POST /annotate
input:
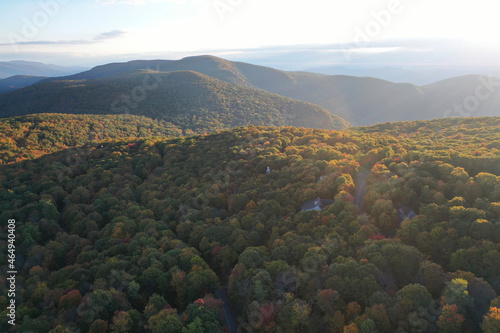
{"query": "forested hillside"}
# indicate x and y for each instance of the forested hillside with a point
(32, 136)
(194, 102)
(144, 235)
(359, 100)
(29, 137)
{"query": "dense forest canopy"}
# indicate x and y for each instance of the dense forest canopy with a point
(145, 234)
(32, 136)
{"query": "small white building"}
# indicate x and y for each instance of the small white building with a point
(316, 204)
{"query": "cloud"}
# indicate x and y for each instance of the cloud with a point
(137, 2)
(50, 42)
(110, 35)
(99, 38)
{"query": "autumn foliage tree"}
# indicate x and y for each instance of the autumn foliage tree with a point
(450, 320)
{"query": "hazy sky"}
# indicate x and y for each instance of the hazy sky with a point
(88, 32)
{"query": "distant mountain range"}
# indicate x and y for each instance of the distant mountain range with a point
(359, 100)
(192, 101)
(422, 76)
(12, 68)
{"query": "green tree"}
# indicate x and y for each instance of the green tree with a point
(368, 326)
(196, 326)
(456, 293)
(414, 297)
(165, 321)
(122, 322)
(99, 326)
(432, 277)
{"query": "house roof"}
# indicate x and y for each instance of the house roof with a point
(317, 203)
(404, 212)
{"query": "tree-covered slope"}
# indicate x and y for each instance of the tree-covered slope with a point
(136, 236)
(359, 100)
(29, 137)
(212, 66)
(192, 101)
(446, 138)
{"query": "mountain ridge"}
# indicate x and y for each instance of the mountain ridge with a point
(190, 100)
(360, 101)
(17, 82)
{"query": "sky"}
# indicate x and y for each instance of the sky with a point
(92, 32)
